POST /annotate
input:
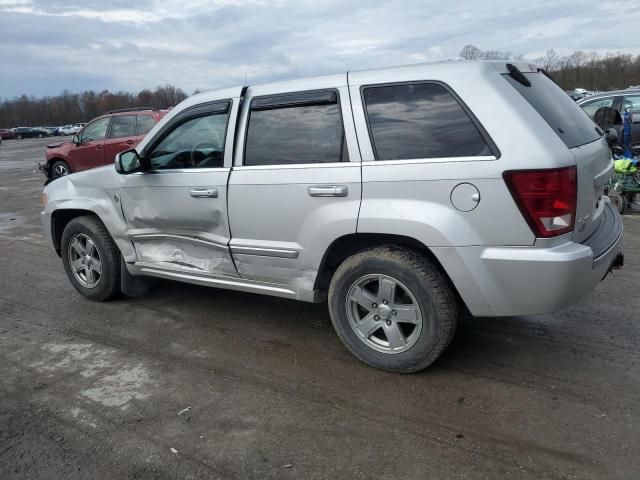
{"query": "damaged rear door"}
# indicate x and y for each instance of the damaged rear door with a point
(176, 210)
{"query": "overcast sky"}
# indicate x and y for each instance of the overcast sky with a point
(50, 45)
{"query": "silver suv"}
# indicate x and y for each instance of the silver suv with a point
(399, 195)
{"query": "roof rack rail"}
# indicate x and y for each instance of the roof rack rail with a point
(132, 109)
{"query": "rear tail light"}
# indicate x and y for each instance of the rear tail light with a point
(546, 198)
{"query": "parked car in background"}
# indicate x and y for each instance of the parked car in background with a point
(27, 132)
(45, 131)
(100, 140)
(6, 133)
(66, 130)
(399, 195)
(619, 100)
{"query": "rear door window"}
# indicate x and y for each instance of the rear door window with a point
(420, 120)
(145, 123)
(123, 126)
(295, 129)
(567, 119)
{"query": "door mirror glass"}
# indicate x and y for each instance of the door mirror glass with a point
(76, 139)
(128, 162)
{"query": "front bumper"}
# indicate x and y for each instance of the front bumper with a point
(505, 281)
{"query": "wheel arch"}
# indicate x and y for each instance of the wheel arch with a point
(61, 218)
(347, 245)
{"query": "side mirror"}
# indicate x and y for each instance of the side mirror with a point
(75, 139)
(128, 162)
(611, 135)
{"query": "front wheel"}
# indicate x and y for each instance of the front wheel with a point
(91, 259)
(60, 169)
(393, 308)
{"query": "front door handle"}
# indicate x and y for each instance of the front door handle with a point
(203, 193)
(328, 191)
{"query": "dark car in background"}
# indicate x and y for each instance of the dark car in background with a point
(100, 140)
(6, 133)
(28, 132)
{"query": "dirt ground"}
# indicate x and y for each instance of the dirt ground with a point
(190, 382)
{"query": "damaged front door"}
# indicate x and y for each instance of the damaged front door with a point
(176, 210)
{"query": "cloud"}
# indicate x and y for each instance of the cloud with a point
(49, 45)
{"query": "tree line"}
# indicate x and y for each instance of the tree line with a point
(29, 111)
(589, 70)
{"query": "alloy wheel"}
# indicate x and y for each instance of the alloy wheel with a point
(383, 313)
(84, 260)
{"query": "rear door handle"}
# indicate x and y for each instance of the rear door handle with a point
(203, 193)
(328, 191)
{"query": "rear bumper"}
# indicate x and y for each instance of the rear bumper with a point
(505, 281)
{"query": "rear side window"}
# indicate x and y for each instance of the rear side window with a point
(295, 130)
(420, 120)
(562, 114)
(123, 126)
(145, 123)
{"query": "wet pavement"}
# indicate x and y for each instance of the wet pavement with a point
(191, 382)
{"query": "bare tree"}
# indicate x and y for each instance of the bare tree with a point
(470, 52)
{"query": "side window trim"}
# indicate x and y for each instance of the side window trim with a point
(325, 96)
(481, 130)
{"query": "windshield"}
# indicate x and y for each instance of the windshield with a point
(567, 119)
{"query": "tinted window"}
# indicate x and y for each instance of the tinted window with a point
(196, 143)
(294, 135)
(145, 123)
(95, 130)
(561, 113)
(593, 106)
(123, 126)
(420, 120)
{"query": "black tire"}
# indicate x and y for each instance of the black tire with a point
(57, 168)
(108, 285)
(619, 200)
(426, 282)
(19, 137)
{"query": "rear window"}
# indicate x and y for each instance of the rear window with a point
(568, 120)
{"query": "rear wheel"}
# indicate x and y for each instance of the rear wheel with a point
(91, 259)
(60, 169)
(393, 308)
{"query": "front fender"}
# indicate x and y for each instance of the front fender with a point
(91, 192)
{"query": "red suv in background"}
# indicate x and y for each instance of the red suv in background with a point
(100, 140)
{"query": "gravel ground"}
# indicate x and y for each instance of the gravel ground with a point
(190, 382)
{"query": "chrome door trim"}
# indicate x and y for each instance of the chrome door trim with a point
(264, 252)
(367, 163)
(185, 238)
(297, 166)
(229, 283)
